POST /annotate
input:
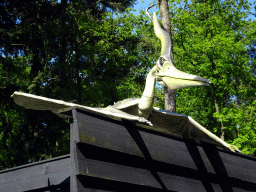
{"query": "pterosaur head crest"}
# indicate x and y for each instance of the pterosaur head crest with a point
(164, 37)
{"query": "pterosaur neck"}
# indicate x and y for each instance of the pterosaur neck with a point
(150, 83)
(147, 99)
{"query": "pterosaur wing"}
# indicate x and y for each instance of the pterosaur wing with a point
(30, 101)
(183, 125)
(162, 120)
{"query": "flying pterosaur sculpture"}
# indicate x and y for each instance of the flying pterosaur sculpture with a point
(141, 110)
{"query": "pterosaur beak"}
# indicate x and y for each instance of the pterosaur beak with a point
(176, 79)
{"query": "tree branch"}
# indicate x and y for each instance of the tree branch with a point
(152, 5)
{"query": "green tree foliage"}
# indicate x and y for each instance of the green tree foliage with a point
(111, 58)
(42, 31)
(211, 40)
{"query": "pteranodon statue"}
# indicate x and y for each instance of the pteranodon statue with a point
(141, 110)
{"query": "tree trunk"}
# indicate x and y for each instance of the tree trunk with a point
(62, 47)
(221, 123)
(169, 95)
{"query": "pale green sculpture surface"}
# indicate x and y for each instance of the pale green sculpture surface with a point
(141, 110)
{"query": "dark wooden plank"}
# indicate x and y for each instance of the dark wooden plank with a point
(239, 167)
(105, 132)
(88, 184)
(93, 190)
(35, 163)
(117, 172)
(75, 128)
(64, 187)
(176, 183)
(36, 175)
(73, 156)
(167, 150)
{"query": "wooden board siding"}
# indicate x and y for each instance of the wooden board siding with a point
(121, 151)
(113, 155)
(42, 174)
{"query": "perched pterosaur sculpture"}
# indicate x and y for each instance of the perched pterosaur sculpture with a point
(141, 110)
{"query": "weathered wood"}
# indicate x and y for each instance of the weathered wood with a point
(117, 155)
(159, 160)
(105, 132)
(115, 168)
(73, 157)
(92, 160)
(92, 184)
(42, 174)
